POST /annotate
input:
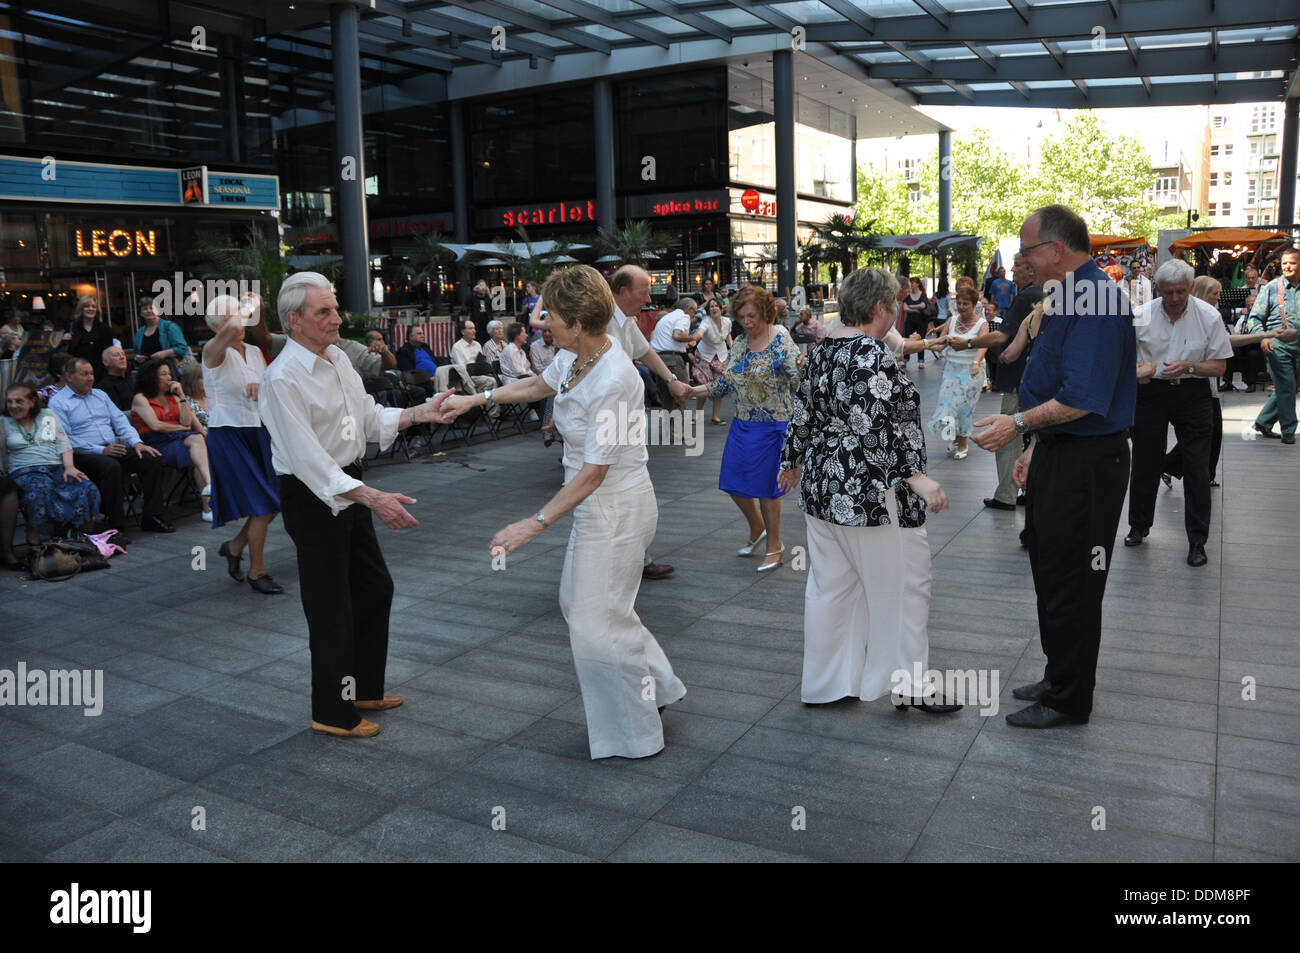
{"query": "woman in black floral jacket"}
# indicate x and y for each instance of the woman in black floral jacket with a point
(856, 448)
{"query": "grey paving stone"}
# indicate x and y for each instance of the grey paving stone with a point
(827, 836)
(96, 778)
(677, 762)
(498, 692)
(417, 834)
(126, 842)
(663, 843)
(37, 818)
(462, 716)
(233, 829)
(931, 849)
(316, 801)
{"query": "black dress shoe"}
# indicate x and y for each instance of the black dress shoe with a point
(930, 704)
(1021, 501)
(1250, 388)
(153, 524)
(1024, 542)
(1135, 537)
(1224, 387)
(995, 504)
(1288, 438)
(1039, 715)
(265, 584)
(232, 562)
(1266, 432)
(1196, 555)
(1031, 693)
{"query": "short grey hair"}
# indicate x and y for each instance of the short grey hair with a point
(1175, 272)
(492, 326)
(294, 292)
(687, 303)
(220, 308)
(862, 290)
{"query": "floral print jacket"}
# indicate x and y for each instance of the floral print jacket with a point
(763, 382)
(856, 431)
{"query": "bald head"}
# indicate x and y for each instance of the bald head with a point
(631, 287)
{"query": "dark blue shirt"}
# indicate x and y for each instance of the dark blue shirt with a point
(1085, 355)
(1002, 291)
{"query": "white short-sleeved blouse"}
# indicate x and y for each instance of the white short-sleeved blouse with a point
(227, 388)
(602, 418)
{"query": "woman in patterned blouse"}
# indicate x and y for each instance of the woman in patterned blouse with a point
(762, 372)
(856, 449)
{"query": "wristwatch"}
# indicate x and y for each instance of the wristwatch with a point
(1020, 425)
(487, 398)
(541, 518)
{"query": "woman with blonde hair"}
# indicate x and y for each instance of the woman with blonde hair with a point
(88, 336)
(623, 674)
(963, 376)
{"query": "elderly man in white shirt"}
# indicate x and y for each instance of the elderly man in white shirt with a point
(320, 418)
(1181, 345)
(631, 288)
(671, 339)
(467, 350)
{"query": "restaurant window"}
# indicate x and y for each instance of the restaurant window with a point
(676, 119)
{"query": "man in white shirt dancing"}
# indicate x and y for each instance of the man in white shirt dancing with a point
(320, 419)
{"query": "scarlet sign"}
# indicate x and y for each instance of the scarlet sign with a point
(550, 214)
(749, 200)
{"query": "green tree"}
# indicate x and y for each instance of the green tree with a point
(1100, 176)
(885, 200)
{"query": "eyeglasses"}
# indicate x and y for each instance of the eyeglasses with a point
(1028, 248)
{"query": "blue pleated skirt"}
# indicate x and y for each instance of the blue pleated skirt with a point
(243, 481)
(172, 447)
(751, 458)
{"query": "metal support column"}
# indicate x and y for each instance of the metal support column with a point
(787, 251)
(459, 194)
(1286, 173)
(354, 234)
(945, 180)
(603, 131)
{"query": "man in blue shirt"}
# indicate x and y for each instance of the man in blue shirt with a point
(1277, 308)
(106, 447)
(1001, 291)
(1077, 396)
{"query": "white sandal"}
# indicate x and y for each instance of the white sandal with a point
(748, 550)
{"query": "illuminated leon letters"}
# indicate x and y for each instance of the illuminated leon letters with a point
(117, 242)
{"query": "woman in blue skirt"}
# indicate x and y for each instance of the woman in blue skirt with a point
(762, 373)
(244, 483)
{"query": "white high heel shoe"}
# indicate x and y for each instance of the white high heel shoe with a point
(748, 550)
(768, 567)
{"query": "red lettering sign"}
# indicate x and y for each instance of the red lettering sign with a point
(749, 200)
(685, 207)
(559, 213)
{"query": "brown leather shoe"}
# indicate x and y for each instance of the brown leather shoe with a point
(379, 704)
(364, 729)
(656, 571)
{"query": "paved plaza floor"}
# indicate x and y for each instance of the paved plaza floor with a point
(206, 687)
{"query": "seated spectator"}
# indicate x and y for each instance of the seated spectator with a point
(54, 379)
(196, 394)
(105, 447)
(159, 338)
(415, 354)
(371, 358)
(116, 382)
(808, 330)
(514, 362)
(164, 421)
(542, 352)
(467, 350)
(496, 342)
(40, 463)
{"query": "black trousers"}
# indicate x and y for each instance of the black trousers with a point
(347, 594)
(1189, 407)
(109, 474)
(1076, 495)
(1248, 361)
(1174, 458)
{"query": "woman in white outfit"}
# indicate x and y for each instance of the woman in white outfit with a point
(624, 675)
(856, 450)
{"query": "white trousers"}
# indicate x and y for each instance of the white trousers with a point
(622, 672)
(866, 610)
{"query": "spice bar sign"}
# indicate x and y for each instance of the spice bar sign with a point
(675, 205)
(109, 242)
